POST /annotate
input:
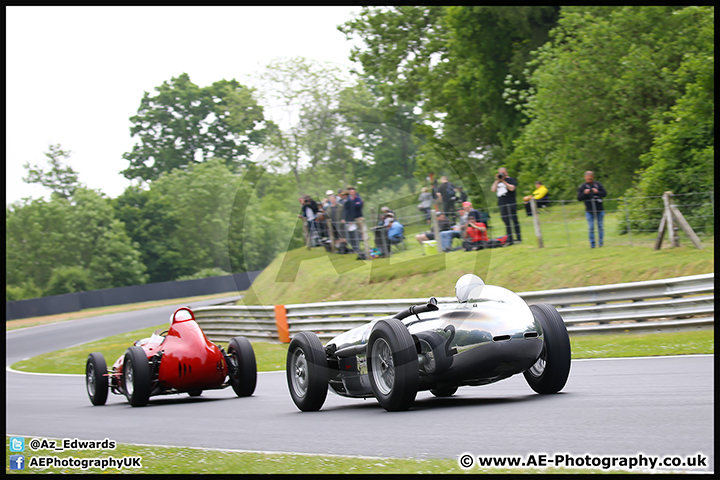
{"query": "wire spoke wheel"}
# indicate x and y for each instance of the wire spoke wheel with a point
(383, 367)
(393, 366)
(299, 373)
(307, 372)
(539, 367)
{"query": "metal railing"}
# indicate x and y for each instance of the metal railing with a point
(683, 302)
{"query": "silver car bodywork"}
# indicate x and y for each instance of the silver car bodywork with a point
(484, 340)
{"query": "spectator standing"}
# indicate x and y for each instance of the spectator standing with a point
(592, 192)
(461, 195)
(426, 201)
(339, 217)
(504, 186)
(539, 194)
(353, 212)
(446, 192)
(309, 211)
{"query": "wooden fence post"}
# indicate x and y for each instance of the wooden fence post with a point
(306, 232)
(331, 235)
(536, 221)
(674, 240)
(366, 241)
(672, 212)
(435, 229)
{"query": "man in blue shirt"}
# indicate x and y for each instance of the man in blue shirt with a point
(395, 230)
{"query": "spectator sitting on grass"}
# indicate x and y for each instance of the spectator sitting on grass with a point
(395, 230)
(443, 225)
(467, 213)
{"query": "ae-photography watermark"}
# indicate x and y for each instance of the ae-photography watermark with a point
(38, 444)
(604, 462)
(21, 461)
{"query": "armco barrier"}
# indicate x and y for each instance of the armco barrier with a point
(660, 304)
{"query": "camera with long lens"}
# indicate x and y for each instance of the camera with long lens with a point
(500, 176)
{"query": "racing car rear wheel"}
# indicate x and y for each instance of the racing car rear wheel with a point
(96, 380)
(244, 376)
(195, 393)
(550, 373)
(307, 372)
(393, 365)
(136, 377)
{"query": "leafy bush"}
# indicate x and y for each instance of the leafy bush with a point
(205, 273)
(68, 280)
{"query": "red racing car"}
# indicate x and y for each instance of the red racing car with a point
(180, 360)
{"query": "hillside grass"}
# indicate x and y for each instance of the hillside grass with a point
(313, 275)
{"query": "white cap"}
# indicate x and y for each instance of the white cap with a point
(329, 192)
(468, 286)
(180, 315)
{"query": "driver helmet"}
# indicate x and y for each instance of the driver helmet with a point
(180, 315)
(468, 286)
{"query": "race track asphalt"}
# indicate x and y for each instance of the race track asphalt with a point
(655, 406)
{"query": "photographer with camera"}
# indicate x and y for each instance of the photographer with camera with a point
(592, 193)
(446, 194)
(504, 186)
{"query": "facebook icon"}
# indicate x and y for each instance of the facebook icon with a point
(17, 462)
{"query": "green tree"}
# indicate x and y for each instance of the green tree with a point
(81, 232)
(68, 280)
(184, 124)
(597, 89)
(151, 222)
(681, 158)
(314, 146)
(452, 63)
(60, 178)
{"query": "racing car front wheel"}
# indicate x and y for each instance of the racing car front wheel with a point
(307, 372)
(393, 365)
(96, 380)
(244, 374)
(136, 377)
(550, 373)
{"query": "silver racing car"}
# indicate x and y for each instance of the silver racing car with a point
(488, 335)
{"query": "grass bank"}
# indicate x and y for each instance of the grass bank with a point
(302, 275)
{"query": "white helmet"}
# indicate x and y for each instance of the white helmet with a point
(181, 314)
(468, 286)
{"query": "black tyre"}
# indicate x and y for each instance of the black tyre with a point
(307, 372)
(195, 393)
(550, 373)
(243, 375)
(136, 377)
(444, 392)
(393, 365)
(96, 380)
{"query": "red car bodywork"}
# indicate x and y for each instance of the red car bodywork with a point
(189, 360)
